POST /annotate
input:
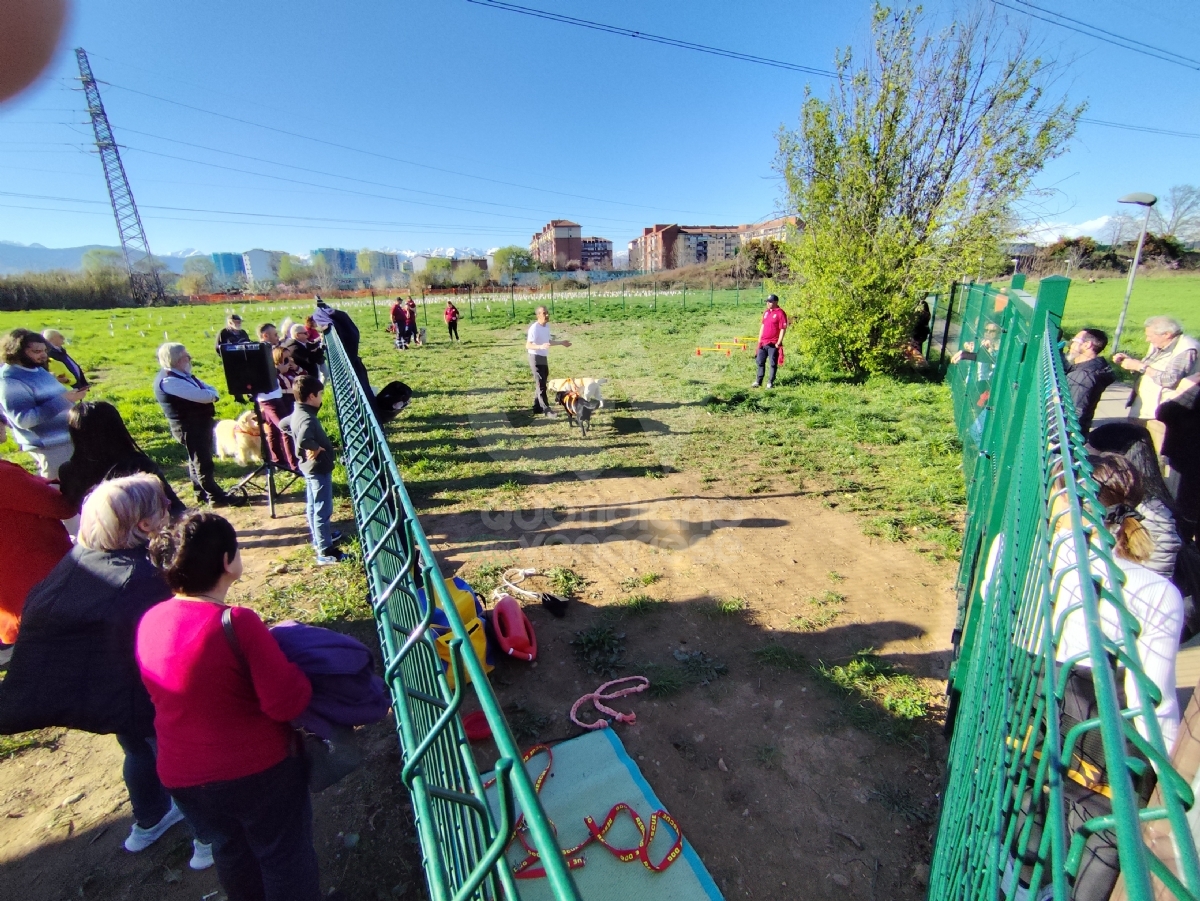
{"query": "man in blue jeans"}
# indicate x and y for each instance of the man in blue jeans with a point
(317, 459)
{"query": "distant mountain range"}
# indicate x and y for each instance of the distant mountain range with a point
(16, 258)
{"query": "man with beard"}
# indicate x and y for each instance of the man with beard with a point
(34, 402)
(187, 403)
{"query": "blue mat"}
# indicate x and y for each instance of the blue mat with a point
(590, 774)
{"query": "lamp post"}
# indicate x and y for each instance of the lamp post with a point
(1148, 201)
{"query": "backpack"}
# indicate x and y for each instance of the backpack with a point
(471, 611)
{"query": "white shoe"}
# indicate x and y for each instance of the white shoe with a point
(202, 857)
(140, 839)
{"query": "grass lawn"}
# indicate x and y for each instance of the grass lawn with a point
(1098, 304)
(883, 447)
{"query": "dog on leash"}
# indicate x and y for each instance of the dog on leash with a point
(239, 438)
(580, 398)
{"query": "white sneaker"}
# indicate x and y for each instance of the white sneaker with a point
(202, 857)
(140, 839)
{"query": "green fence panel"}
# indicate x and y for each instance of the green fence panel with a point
(1034, 525)
(462, 843)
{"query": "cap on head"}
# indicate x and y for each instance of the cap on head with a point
(771, 298)
(235, 318)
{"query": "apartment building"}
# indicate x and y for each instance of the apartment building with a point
(339, 261)
(595, 253)
(559, 245)
(262, 265)
(228, 268)
(671, 246)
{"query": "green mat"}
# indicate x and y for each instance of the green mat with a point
(589, 775)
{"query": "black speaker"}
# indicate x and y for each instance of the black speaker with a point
(249, 368)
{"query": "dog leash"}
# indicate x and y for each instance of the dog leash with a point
(531, 866)
(597, 696)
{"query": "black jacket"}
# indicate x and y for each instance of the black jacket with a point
(308, 357)
(1087, 382)
(60, 355)
(232, 336)
(81, 474)
(308, 434)
(73, 664)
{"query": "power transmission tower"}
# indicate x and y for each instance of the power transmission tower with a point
(143, 277)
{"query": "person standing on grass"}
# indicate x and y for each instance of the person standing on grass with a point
(188, 404)
(233, 333)
(306, 353)
(1088, 374)
(770, 340)
(316, 462)
(34, 402)
(62, 365)
(451, 314)
(538, 342)
(224, 695)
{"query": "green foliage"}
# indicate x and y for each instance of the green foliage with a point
(905, 178)
(512, 258)
(485, 577)
(470, 274)
(699, 668)
(884, 701)
(12, 745)
(292, 271)
(664, 680)
(103, 262)
(438, 270)
(640, 603)
(565, 581)
(600, 650)
(769, 757)
(724, 607)
(762, 258)
(632, 583)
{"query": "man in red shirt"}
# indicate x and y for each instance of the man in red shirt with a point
(770, 340)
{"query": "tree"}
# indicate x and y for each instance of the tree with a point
(364, 262)
(470, 274)
(511, 259)
(440, 270)
(906, 175)
(761, 258)
(100, 261)
(1119, 227)
(198, 276)
(293, 271)
(1178, 214)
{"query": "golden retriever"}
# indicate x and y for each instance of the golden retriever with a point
(239, 438)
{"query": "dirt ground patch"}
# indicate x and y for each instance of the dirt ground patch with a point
(787, 785)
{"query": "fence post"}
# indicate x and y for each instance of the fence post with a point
(512, 298)
(470, 309)
(622, 295)
(655, 307)
(589, 295)
(374, 311)
(737, 296)
(425, 310)
(685, 296)
(710, 294)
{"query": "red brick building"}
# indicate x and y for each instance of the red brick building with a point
(671, 246)
(559, 245)
(596, 253)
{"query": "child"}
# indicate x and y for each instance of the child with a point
(316, 463)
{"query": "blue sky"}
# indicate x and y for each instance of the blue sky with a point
(466, 126)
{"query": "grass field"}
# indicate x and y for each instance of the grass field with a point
(883, 447)
(1098, 304)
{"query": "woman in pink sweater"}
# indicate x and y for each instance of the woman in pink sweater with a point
(223, 694)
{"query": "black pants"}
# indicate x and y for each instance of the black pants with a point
(260, 827)
(540, 367)
(196, 436)
(765, 353)
(453, 327)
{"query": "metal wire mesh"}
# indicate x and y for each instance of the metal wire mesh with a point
(1036, 553)
(462, 843)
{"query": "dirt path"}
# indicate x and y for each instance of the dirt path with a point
(783, 787)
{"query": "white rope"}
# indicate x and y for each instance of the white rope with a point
(509, 580)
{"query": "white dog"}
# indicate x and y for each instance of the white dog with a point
(588, 389)
(239, 438)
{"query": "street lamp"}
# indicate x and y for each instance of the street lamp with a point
(1146, 200)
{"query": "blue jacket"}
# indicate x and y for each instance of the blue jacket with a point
(346, 690)
(33, 404)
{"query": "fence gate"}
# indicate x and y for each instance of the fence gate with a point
(1006, 828)
(462, 843)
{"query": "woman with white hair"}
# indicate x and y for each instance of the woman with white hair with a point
(73, 664)
(188, 403)
(1173, 357)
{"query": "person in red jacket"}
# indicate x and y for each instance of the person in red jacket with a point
(451, 314)
(223, 694)
(32, 539)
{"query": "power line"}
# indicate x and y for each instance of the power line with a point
(653, 38)
(373, 183)
(384, 156)
(1097, 33)
(1146, 129)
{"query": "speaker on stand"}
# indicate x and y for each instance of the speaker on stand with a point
(249, 372)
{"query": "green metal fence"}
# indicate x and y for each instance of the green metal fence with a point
(1034, 525)
(462, 842)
